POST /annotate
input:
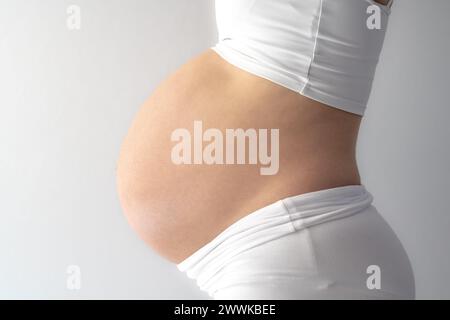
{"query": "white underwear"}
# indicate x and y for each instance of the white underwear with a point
(326, 50)
(327, 244)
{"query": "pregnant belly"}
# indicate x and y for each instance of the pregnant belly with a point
(186, 172)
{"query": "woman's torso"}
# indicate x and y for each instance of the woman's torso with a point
(177, 209)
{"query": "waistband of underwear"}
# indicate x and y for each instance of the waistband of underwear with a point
(271, 222)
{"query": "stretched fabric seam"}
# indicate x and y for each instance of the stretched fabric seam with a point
(314, 48)
(310, 244)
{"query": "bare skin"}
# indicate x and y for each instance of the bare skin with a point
(177, 209)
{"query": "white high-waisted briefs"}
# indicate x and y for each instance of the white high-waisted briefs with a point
(326, 50)
(327, 244)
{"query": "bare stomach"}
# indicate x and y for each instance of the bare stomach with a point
(177, 208)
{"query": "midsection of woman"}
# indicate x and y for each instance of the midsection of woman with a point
(178, 208)
(302, 67)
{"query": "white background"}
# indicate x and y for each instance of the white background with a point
(67, 99)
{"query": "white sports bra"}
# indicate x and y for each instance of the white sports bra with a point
(326, 50)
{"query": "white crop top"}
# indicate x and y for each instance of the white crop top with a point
(326, 50)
